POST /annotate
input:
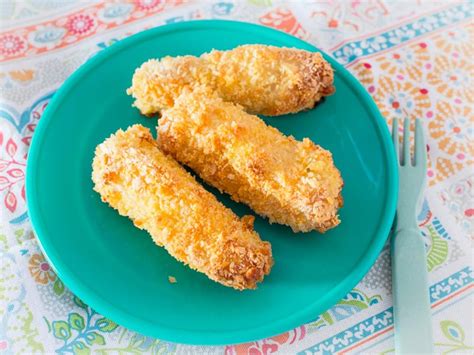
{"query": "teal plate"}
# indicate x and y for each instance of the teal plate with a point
(116, 268)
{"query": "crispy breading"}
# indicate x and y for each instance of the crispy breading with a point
(133, 176)
(157, 83)
(263, 79)
(270, 80)
(291, 182)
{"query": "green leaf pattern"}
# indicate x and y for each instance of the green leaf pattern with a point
(106, 325)
(79, 303)
(80, 348)
(61, 330)
(94, 338)
(456, 338)
(437, 250)
(260, 2)
(78, 334)
(353, 303)
(76, 321)
(452, 331)
(83, 333)
(58, 287)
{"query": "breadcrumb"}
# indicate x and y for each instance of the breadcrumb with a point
(291, 182)
(263, 79)
(133, 176)
(172, 279)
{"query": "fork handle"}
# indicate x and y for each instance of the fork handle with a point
(411, 304)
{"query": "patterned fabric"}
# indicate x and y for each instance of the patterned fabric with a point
(415, 59)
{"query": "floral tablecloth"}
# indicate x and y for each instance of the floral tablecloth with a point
(413, 57)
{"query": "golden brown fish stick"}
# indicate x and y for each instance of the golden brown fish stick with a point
(291, 182)
(263, 79)
(136, 178)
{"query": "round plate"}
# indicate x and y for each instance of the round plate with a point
(116, 268)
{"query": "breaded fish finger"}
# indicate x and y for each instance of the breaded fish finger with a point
(271, 80)
(263, 79)
(133, 176)
(291, 182)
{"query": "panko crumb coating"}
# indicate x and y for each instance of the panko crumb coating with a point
(291, 182)
(133, 176)
(263, 79)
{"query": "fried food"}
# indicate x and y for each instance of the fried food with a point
(291, 182)
(133, 176)
(263, 79)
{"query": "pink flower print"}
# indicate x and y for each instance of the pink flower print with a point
(12, 176)
(40, 269)
(11, 45)
(80, 24)
(147, 4)
(3, 345)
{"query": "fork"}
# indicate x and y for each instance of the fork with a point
(411, 304)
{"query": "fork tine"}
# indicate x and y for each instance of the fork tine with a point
(420, 148)
(406, 142)
(395, 137)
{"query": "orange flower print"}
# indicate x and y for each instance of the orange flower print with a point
(439, 169)
(452, 129)
(363, 71)
(22, 75)
(405, 63)
(400, 99)
(40, 269)
(456, 42)
(267, 346)
(284, 20)
(451, 78)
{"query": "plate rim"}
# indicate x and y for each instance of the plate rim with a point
(203, 337)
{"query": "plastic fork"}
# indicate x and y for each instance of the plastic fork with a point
(411, 303)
